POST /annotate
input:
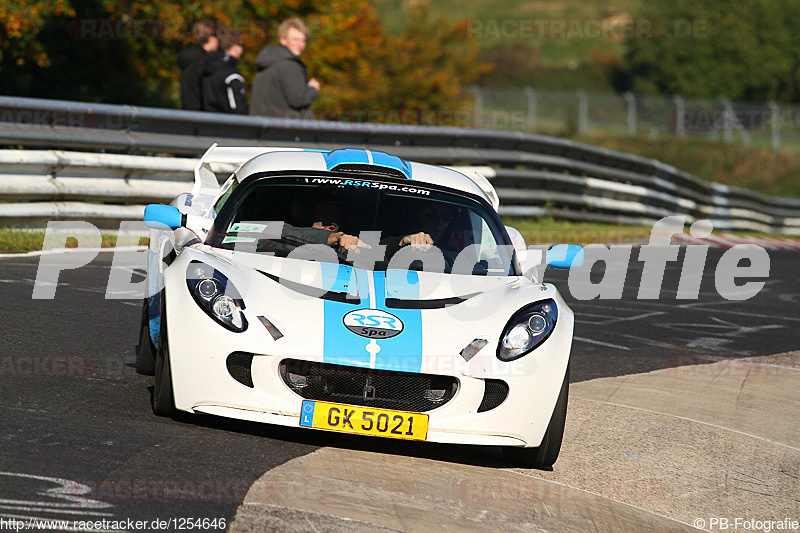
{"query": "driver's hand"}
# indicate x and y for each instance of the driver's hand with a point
(420, 240)
(347, 242)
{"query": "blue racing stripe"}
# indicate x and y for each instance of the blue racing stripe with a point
(341, 346)
(404, 351)
(354, 156)
(383, 159)
(153, 298)
(346, 156)
(402, 284)
(336, 277)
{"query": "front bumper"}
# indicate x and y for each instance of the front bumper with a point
(202, 382)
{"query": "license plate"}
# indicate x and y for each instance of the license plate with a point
(364, 420)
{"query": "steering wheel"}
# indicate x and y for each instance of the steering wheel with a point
(448, 255)
(341, 251)
(449, 258)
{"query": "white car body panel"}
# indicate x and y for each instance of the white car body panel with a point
(199, 346)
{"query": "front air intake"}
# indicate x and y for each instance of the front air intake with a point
(367, 387)
(239, 367)
(494, 394)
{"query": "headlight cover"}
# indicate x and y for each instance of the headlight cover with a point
(216, 296)
(527, 329)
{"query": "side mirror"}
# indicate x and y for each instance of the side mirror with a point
(158, 215)
(530, 261)
(565, 256)
(516, 239)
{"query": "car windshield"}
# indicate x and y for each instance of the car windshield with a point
(301, 217)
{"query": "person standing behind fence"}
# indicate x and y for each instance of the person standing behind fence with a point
(193, 61)
(281, 87)
(224, 88)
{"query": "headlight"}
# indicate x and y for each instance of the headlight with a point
(527, 329)
(216, 296)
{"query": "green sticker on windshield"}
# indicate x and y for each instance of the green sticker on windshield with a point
(239, 227)
(236, 238)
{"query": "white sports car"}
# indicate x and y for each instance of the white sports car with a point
(353, 291)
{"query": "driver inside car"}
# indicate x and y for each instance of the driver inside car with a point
(325, 229)
(326, 217)
(433, 221)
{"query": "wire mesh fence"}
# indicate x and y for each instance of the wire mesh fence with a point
(764, 124)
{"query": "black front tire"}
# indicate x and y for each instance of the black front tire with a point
(163, 397)
(546, 453)
(146, 352)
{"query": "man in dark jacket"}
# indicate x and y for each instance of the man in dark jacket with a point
(224, 89)
(193, 61)
(281, 87)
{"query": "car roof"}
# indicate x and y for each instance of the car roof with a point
(372, 165)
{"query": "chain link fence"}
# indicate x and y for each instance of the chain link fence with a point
(764, 124)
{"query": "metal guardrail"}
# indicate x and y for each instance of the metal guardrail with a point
(533, 174)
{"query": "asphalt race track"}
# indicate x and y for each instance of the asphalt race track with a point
(663, 425)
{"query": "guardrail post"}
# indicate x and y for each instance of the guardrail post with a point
(478, 93)
(680, 116)
(630, 104)
(532, 108)
(583, 111)
(776, 132)
(727, 134)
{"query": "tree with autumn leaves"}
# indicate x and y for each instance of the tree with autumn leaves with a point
(124, 52)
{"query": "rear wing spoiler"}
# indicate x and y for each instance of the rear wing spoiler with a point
(227, 159)
(480, 175)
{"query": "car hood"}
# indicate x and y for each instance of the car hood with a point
(394, 320)
(403, 288)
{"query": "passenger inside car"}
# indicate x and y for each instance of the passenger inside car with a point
(433, 224)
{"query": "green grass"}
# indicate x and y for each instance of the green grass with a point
(550, 231)
(15, 240)
(757, 168)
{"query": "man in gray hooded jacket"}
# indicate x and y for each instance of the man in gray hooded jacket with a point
(281, 88)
